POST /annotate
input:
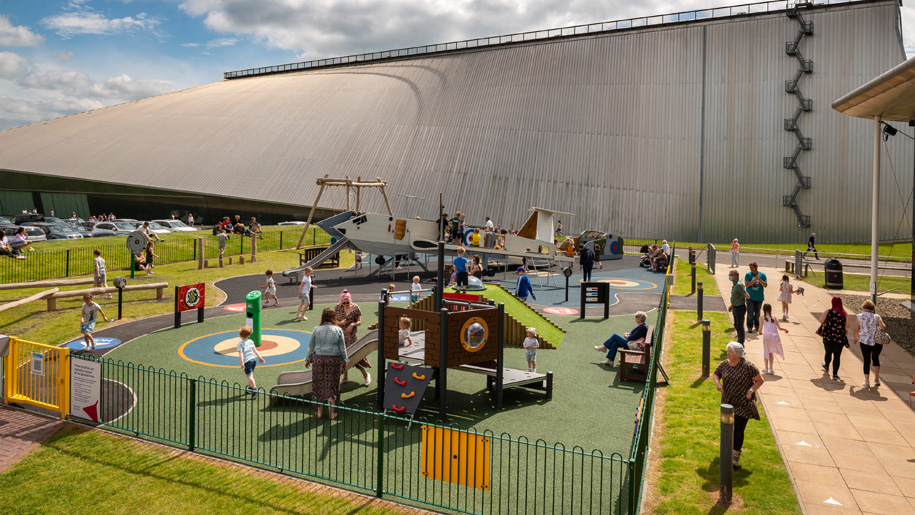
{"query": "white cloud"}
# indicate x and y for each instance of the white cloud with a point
(13, 66)
(84, 21)
(214, 43)
(63, 56)
(11, 36)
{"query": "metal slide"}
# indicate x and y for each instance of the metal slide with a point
(299, 382)
(341, 244)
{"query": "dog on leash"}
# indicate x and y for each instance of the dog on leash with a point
(799, 290)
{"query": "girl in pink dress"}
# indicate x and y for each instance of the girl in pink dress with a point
(735, 253)
(772, 344)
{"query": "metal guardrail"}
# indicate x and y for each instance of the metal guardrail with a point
(365, 451)
(53, 264)
(521, 37)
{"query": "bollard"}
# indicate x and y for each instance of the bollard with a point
(699, 291)
(706, 347)
(241, 260)
(692, 256)
(692, 275)
(230, 260)
(725, 487)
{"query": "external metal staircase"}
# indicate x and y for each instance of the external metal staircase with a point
(805, 66)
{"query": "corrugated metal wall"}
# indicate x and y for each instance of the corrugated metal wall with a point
(608, 127)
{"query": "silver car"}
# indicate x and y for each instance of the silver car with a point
(173, 225)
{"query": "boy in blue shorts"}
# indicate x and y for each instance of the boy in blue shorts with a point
(88, 316)
(460, 267)
(248, 356)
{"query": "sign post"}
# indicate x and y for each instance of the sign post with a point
(595, 293)
(191, 296)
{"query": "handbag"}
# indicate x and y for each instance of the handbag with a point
(882, 337)
(820, 330)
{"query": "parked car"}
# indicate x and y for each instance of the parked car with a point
(174, 225)
(119, 228)
(6, 220)
(155, 228)
(56, 231)
(94, 231)
(35, 234)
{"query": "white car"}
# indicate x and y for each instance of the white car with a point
(175, 225)
(292, 223)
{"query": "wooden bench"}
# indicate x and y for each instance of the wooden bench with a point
(634, 363)
(308, 254)
(159, 287)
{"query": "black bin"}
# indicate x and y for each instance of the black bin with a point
(834, 274)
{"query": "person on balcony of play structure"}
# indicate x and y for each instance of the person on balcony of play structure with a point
(349, 318)
(632, 340)
(523, 289)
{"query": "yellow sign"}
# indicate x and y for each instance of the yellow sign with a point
(456, 456)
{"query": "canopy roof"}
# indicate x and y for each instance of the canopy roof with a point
(891, 96)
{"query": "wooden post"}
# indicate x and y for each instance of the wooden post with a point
(311, 215)
(254, 248)
(37, 296)
(201, 262)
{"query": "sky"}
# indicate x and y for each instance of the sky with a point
(64, 57)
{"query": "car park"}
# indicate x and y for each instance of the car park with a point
(56, 231)
(174, 225)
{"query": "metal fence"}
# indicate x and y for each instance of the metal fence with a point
(639, 455)
(53, 264)
(424, 464)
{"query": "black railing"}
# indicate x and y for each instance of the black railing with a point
(575, 30)
(365, 451)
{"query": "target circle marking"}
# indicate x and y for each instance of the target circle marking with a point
(278, 347)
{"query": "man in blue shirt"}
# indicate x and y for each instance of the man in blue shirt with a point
(755, 282)
(636, 336)
(523, 289)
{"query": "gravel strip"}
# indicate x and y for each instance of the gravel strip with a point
(898, 319)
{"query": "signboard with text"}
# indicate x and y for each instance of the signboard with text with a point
(85, 388)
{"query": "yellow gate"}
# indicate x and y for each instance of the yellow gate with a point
(38, 374)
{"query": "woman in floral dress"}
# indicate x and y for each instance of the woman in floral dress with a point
(349, 318)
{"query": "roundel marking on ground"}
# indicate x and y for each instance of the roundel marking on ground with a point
(278, 347)
(560, 311)
(235, 308)
(100, 343)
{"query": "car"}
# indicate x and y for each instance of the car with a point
(155, 228)
(174, 225)
(119, 228)
(34, 233)
(6, 220)
(93, 231)
(56, 231)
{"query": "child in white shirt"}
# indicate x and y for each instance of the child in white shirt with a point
(305, 294)
(403, 336)
(270, 289)
(414, 290)
(531, 344)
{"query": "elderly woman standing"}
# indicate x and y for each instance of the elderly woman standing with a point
(834, 325)
(738, 380)
(868, 322)
(349, 317)
(327, 350)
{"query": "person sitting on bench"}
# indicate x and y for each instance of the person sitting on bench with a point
(631, 340)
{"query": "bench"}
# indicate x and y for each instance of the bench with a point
(159, 287)
(308, 254)
(634, 363)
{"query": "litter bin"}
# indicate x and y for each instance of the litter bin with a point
(834, 274)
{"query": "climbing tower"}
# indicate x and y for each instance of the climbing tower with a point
(805, 66)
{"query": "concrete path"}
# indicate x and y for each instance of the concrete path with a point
(848, 449)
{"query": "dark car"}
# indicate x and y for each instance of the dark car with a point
(56, 231)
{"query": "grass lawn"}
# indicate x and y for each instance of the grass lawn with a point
(79, 471)
(893, 250)
(683, 282)
(684, 476)
(33, 323)
(861, 282)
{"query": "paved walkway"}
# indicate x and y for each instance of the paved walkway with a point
(848, 449)
(20, 432)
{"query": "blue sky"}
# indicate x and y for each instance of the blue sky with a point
(63, 57)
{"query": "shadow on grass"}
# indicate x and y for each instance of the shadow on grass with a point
(711, 477)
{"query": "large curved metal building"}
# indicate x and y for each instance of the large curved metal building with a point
(706, 125)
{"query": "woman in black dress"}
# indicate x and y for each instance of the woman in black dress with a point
(476, 269)
(834, 325)
(738, 380)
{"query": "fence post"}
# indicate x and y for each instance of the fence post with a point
(692, 276)
(281, 240)
(194, 244)
(379, 475)
(241, 244)
(706, 347)
(314, 236)
(699, 291)
(192, 416)
(725, 487)
(67, 273)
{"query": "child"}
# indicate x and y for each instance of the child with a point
(304, 294)
(223, 238)
(87, 317)
(403, 337)
(735, 253)
(414, 291)
(772, 344)
(785, 296)
(270, 289)
(100, 277)
(391, 289)
(358, 264)
(530, 349)
(149, 257)
(460, 267)
(451, 274)
(475, 239)
(247, 353)
(523, 289)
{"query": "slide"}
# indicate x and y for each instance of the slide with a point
(298, 382)
(320, 258)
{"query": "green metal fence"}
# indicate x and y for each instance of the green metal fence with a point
(368, 452)
(77, 260)
(639, 454)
